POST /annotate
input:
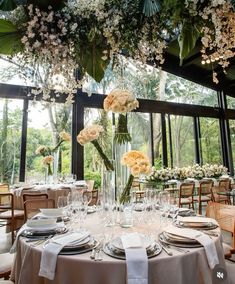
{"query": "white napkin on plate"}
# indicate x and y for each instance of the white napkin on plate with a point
(195, 219)
(205, 240)
(136, 259)
(51, 251)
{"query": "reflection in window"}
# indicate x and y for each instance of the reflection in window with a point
(44, 126)
(10, 139)
(183, 143)
(210, 140)
(232, 133)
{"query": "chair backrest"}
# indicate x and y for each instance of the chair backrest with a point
(32, 207)
(225, 216)
(30, 196)
(94, 196)
(4, 188)
(6, 202)
(205, 187)
(90, 184)
(187, 189)
(225, 183)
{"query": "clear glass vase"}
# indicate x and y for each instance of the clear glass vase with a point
(48, 175)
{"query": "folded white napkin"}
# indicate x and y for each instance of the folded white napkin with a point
(205, 240)
(195, 219)
(136, 259)
(51, 251)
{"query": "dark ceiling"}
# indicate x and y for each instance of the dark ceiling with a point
(193, 70)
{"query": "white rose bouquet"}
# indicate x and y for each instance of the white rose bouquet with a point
(138, 163)
(91, 134)
(121, 101)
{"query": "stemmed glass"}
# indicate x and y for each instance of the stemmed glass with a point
(62, 203)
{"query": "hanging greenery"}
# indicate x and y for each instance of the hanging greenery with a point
(62, 35)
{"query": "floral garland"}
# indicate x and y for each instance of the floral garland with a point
(60, 36)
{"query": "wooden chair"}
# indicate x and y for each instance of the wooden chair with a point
(8, 215)
(219, 198)
(94, 194)
(204, 194)
(6, 263)
(186, 194)
(4, 188)
(31, 196)
(225, 216)
(90, 184)
(32, 207)
(225, 183)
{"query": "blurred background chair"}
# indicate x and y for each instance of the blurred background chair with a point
(225, 216)
(33, 206)
(28, 196)
(186, 192)
(219, 198)
(204, 194)
(225, 183)
(6, 263)
(8, 215)
(92, 196)
(90, 184)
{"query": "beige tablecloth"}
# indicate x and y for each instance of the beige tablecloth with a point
(181, 268)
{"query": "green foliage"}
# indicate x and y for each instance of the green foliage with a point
(187, 39)
(10, 42)
(96, 176)
(90, 56)
(43, 4)
(7, 5)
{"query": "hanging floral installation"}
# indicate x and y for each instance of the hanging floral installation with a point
(61, 36)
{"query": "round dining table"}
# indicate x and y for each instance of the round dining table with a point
(182, 267)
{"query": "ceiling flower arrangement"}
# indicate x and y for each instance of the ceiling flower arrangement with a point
(63, 35)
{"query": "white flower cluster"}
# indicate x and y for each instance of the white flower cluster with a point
(218, 39)
(120, 101)
(89, 134)
(195, 171)
(47, 44)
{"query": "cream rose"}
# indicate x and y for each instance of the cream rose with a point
(89, 134)
(65, 136)
(41, 150)
(47, 160)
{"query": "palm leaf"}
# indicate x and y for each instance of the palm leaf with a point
(7, 5)
(187, 39)
(150, 7)
(90, 58)
(43, 4)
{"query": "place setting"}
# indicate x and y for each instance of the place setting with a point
(116, 249)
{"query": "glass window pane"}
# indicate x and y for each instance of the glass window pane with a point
(44, 126)
(232, 133)
(210, 140)
(183, 142)
(10, 139)
(157, 140)
(230, 102)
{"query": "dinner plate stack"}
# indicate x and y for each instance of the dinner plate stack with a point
(115, 249)
(83, 244)
(176, 240)
(198, 223)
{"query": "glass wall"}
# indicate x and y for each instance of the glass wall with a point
(10, 139)
(232, 135)
(157, 140)
(210, 140)
(183, 142)
(44, 125)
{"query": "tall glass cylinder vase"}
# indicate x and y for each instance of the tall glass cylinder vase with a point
(108, 195)
(56, 164)
(122, 172)
(48, 174)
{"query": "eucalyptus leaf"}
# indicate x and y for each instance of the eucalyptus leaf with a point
(187, 39)
(7, 5)
(150, 7)
(43, 4)
(10, 43)
(90, 58)
(7, 26)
